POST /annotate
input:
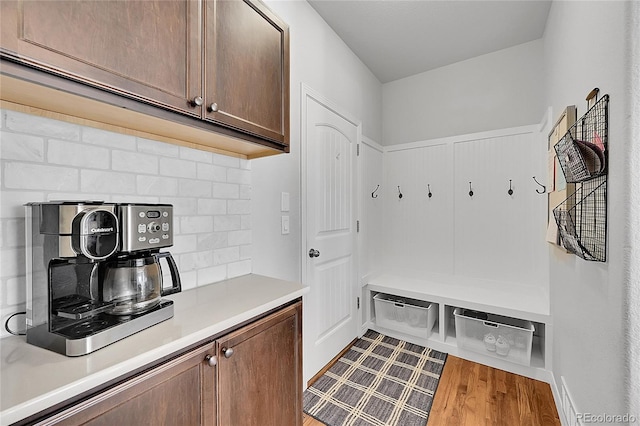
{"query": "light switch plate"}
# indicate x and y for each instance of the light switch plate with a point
(285, 225)
(284, 202)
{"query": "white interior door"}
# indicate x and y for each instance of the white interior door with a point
(330, 312)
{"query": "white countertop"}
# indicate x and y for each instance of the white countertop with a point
(33, 379)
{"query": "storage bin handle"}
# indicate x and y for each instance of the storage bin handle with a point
(490, 324)
(399, 304)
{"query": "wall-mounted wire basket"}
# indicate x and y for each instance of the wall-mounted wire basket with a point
(582, 220)
(582, 152)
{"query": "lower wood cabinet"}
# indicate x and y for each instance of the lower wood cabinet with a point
(251, 376)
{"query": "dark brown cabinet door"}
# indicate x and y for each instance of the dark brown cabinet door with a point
(179, 392)
(259, 372)
(149, 50)
(247, 68)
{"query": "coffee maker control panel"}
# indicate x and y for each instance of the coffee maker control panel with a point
(146, 226)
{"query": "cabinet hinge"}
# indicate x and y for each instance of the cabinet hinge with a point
(357, 149)
(358, 302)
(357, 226)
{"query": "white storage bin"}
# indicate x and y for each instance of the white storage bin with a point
(411, 316)
(494, 335)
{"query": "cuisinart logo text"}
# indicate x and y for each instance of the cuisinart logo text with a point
(96, 230)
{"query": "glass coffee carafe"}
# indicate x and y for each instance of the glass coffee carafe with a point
(133, 284)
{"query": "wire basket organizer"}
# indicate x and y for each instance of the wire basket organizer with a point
(582, 151)
(582, 220)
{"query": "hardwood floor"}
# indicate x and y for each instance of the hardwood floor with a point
(471, 394)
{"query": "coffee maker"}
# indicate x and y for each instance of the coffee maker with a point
(94, 274)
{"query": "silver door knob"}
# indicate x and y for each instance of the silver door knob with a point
(314, 253)
(211, 360)
(197, 101)
(213, 107)
(227, 352)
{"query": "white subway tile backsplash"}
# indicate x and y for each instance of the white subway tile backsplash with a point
(108, 139)
(78, 155)
(227, 223)
(226, 255)
(237, 269)
(157, 185)
(40, 177)
(43, 159)
(237, 238)
(13, 233)
(34, 125)
(177, 168)
(212, 240)
(245, 192)
(226, 190)
(196, 224)
(223, 160)
(128, 161)
(211, 172)
(239, 176)
(239, 206)
(159, 148)
(95, 181)
(17, 146)
(212, 206)
(196, 155)
(13, 202)
(212, 275)
(194, 188)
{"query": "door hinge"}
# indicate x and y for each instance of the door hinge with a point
(358, 302)
(357, 150)
(357, 226)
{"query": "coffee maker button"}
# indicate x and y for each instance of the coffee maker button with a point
(165, 227)
(154, 240)
(165, 236)
(165, 214)
(142, 228)
(142, 214)
(142, 239)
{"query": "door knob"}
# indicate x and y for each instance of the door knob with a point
(227, 352)
(197, 101)
(314, 253)
(213, 107)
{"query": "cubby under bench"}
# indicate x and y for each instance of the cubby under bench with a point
(515, 313)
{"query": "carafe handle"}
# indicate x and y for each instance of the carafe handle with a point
(176, 285)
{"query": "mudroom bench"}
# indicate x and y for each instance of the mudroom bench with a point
(503, 325)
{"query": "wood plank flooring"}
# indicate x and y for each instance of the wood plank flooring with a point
(471, 394)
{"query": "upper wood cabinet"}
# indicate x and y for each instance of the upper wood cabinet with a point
(149, 50)
(224, 63)
(247, 68)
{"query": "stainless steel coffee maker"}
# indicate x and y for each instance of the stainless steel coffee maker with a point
(94, 272)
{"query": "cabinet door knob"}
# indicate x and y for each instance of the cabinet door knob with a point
(211, 360)
(227, 352)
(314, 253)
(197, 101)
(213, 107)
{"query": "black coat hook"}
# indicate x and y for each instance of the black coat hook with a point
(470, 190)
(399, 192)
(429, 189)
(373, 194)
(510, 191)
(544, 188)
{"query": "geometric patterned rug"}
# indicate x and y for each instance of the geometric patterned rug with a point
(379, 381)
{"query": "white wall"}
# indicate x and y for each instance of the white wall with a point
(585, 46)
(493, 91)
(321, 60)
(43, 159)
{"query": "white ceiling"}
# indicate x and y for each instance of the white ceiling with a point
(399, 38)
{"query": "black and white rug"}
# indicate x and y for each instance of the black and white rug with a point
(380, 381)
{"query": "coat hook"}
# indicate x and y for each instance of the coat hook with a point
(470, 190)
(510, 191)
(373, 194)
(429, 189)
(544, 188)
(399, 192)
